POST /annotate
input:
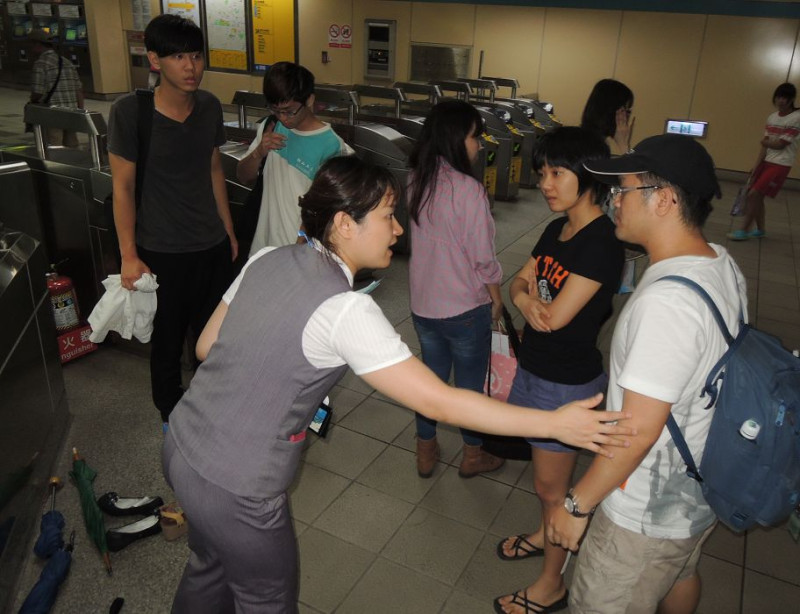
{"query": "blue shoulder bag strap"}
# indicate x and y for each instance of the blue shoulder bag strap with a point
(674, 429)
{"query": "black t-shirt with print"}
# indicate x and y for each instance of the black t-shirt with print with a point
(570, 355)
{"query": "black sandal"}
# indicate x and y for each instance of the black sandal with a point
(522, 549)
(531, 607)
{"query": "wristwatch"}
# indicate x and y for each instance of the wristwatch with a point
(571, 505)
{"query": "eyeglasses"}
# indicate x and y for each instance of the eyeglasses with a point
(619, 190)
(285, 112)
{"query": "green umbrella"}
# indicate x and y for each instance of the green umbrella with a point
(92, 516)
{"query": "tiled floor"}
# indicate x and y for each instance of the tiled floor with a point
(372, 535)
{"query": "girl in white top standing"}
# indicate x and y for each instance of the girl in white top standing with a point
(775, 160)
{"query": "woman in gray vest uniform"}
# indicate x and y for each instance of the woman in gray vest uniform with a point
(281, 338)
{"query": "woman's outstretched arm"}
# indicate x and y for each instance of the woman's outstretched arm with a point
(414, 385)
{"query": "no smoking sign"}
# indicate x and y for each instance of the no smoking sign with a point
(340, 36)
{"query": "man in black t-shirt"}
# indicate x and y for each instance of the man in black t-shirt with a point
(181, 230)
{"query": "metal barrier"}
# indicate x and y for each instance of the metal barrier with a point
(74, 120)
(337, 98)
(463, 91)
(483, 88)
(385, 93)
(512, 84)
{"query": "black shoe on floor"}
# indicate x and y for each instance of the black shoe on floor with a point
(114, 505)
(121, 537)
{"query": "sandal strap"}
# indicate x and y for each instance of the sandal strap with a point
(517, 546)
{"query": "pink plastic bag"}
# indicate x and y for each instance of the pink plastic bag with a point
(502, 367)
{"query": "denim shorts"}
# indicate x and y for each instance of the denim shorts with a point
(528, 390)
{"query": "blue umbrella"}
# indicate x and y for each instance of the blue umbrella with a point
(50, 538)
(44, 592)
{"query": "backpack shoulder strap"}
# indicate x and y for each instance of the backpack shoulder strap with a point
(267, 120)
(145, 105)
(700, 291)
(674, 430)
(691, 468)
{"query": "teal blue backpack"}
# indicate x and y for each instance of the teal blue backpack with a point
(750, 470)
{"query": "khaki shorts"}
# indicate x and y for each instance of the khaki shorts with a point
(622, 571)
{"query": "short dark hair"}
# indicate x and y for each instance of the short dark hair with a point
(446, 127)
(694, 210)
(570, 147)
(168, 34)
(348, 184)
(785, 90)
(288, 82)
(600, 112)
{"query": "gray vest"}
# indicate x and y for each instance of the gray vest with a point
(256, 389)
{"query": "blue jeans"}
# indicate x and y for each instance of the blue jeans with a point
(461, 343)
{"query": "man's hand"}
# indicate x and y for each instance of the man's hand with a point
(270, 140)
(132, 270)
(234, 245)
(624, 129)
(565, 530)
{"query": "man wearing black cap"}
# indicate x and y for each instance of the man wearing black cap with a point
(641, 551)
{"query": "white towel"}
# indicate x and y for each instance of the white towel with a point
(130, 313)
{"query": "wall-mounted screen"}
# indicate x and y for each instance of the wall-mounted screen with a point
(70, 34)
(686, 127)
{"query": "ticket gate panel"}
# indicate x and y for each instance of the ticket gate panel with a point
(524, 127)
(509, 148)
(386, 147)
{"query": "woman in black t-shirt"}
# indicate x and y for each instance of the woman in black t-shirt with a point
(564, 292)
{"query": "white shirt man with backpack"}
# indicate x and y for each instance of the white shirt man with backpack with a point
(641, 551)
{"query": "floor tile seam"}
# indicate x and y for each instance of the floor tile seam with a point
(310, 607)
(789, 583)
(339, 537)
(486, 531)
(311, 522)
(352, 430)
(722, 559)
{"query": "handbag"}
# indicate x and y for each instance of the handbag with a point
(502, 364)
(45, 102)
(502, 370)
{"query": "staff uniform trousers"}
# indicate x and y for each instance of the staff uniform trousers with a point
(190, 286)
(243, 555)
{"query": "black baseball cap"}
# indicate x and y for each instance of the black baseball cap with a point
(681, 160)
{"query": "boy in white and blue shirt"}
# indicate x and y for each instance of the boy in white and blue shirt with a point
(295, 146)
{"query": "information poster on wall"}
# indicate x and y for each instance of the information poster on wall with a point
(141, 14)
(227, 34)
(272, 32)
(188, 10)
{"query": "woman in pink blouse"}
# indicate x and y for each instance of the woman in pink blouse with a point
(454, 273)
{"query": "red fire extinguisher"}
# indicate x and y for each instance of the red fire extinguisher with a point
(63, 300)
